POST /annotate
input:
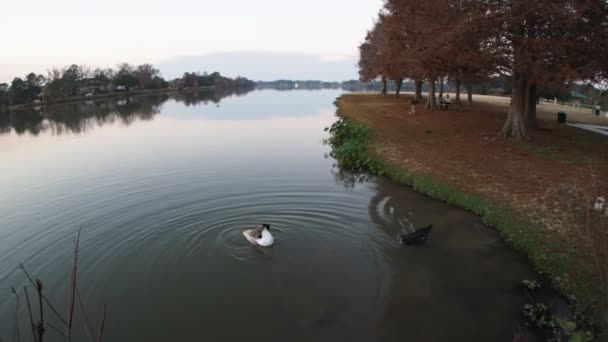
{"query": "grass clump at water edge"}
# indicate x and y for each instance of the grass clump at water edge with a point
(349, 142)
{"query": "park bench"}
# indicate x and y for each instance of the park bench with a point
(443, 104)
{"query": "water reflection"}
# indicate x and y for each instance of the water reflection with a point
(388, 210)
(451, 277)
(5, 125)
(21, 122)
(347, 178)
(162, 205)
(79, 117)
(194, 98)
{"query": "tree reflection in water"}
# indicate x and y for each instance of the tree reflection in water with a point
(387, 209)
(79, 117)
(190, 97)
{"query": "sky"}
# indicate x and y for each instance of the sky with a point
(40, 34)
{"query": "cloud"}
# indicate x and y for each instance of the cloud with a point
(262, 65)
(337, 58)
(256, 65)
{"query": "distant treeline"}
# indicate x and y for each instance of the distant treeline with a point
(295, 84)
(80, 116)
(194, 80)
(498, 86)
(77, 80)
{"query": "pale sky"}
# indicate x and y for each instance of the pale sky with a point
(39, 34)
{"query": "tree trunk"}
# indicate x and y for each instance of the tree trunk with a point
(398, 84)
(457, 100)
(383, 85)
(470, 94)
(441, 86)
(431, 103)
(418, 96)
(530, 112)
(515, 126)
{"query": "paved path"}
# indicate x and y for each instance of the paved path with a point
(593, 128)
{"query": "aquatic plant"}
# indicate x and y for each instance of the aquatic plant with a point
(530, 284)
(349, 143)
(538, 316)
(576, 335)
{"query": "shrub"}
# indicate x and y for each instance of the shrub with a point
(349, 141)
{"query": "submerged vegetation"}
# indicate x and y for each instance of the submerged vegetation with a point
(550, 324)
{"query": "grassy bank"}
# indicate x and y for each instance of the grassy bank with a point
(538, 200)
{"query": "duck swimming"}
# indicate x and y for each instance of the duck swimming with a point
(259, 236)
(418, 236)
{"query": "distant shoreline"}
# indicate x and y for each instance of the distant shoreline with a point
(100, 96)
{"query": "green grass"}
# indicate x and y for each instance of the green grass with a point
(546, 151)
(582, 146)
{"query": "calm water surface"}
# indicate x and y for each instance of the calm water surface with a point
(162, 187)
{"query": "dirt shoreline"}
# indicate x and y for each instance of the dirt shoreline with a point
(536, 193)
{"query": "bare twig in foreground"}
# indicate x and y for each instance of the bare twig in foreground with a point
(72, 294)
(29, 311)
(16, 331)
(35, 285)
(85, 318)
(103, 323)
(57, 330)
(40, 326)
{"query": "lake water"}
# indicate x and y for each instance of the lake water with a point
(162, 187)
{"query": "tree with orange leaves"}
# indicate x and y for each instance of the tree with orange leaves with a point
(540, 43)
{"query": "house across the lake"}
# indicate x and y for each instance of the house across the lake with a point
(92, 86)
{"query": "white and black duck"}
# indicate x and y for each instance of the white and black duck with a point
(259, 235)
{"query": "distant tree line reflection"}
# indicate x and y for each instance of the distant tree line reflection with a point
(195, 97)
(79, 117)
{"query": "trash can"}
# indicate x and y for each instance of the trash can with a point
(561, 117)
(596, 111)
